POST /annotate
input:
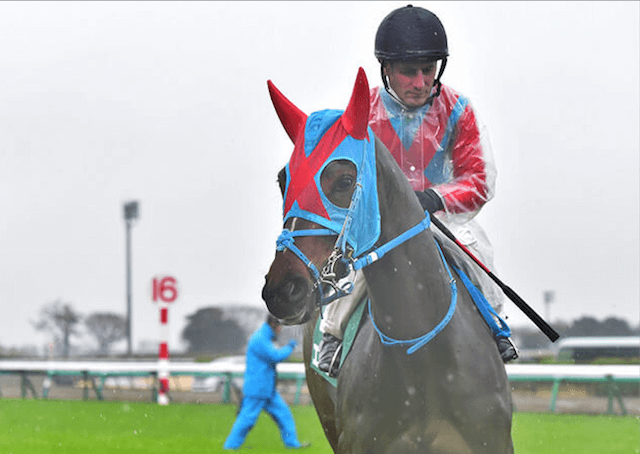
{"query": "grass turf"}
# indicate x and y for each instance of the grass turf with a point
(70, 427)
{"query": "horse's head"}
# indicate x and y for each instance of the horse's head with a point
(330, 202)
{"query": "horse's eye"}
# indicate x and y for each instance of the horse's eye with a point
(344, 183)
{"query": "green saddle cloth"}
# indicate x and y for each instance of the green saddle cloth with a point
(349, 335)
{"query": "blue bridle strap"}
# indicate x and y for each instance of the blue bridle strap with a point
(421, 341)
(286, 240)
(379, 252)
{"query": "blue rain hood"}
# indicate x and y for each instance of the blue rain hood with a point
(305, 197)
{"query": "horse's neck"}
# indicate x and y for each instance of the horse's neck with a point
(409, 287)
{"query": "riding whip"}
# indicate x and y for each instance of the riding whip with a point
(513, 296)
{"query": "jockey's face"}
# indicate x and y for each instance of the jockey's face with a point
(411, 81)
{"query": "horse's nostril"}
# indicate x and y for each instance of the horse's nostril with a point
(295, 289)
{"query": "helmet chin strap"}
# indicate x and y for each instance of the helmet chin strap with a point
(437, 84)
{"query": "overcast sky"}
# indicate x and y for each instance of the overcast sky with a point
(166, 103)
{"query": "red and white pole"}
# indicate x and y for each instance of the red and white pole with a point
(163, 355)
(165, 292)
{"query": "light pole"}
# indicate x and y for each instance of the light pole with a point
(130, 214)
(549, 296)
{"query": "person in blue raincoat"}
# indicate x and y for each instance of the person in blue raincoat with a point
(259, 389)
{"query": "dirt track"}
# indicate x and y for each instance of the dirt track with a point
(577, 399)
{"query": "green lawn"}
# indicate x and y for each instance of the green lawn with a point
(541, 433)
(90, 427)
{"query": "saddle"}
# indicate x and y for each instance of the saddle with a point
(350, 332)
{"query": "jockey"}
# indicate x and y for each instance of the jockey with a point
(435, 136)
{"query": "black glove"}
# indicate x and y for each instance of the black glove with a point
(430, 200)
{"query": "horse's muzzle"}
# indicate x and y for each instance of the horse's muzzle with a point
(290, 300)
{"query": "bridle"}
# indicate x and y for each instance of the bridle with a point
(336, 278)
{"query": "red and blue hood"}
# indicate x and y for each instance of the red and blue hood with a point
(319, 139)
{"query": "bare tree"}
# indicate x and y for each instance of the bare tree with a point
(107, 328)
(61, 320)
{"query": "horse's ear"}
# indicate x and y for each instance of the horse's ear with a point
(292, 118)
(282, 180)
(356, 117)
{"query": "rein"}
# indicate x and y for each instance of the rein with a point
(421, 341)
(286, 240)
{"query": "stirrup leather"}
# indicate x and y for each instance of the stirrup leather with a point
(335, 362)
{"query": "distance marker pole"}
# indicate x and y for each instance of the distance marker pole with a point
(163, 355)
(164, 292)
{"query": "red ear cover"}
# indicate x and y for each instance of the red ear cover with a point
(356, 117)
(292, 118)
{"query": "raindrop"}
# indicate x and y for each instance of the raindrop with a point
(407, 403)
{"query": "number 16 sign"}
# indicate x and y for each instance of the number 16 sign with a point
(164, 289)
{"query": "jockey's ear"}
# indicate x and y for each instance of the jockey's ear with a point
(282, 180)
(356, 116)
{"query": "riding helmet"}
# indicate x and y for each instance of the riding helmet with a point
(410, 33)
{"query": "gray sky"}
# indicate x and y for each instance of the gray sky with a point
(166, 103)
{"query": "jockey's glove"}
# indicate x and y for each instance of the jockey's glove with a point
(430, 200)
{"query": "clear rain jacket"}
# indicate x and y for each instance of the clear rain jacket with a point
(441, 146)
(444, 146)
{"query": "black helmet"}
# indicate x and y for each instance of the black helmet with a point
(410, 33)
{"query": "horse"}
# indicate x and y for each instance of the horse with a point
(347, 201)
